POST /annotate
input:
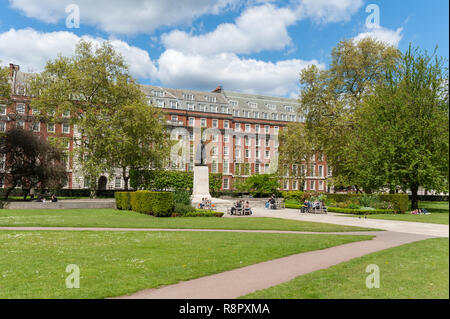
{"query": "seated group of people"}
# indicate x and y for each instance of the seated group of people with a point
(272, 202)
(41, 198)
(307, 205)
(241, 205)
(420, 211)
(205, 203)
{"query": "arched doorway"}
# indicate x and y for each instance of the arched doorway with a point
(102, 181)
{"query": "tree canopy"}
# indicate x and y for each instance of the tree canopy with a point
(329, 99)
(30, 162)
(403, 128)
(94, 89)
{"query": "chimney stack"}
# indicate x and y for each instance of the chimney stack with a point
(218, 89)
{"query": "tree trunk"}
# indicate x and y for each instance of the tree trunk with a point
(8, 191)
(125, 178)
(414, 198)
(25, 193)
(93, 185)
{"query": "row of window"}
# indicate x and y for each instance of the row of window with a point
(226, 125)
(21, 109)
(286, 185)
(36, 126)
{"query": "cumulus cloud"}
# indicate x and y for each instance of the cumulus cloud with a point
(32, 49)
(388, 36)
(124, 17)
(256, 29)
(328, 11)
(177, 69)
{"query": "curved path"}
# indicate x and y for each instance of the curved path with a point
(242, 281)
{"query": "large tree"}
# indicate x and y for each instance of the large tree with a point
(91, 87)
(403, 128)
(30, 162)
(136, 138)
(329, 99)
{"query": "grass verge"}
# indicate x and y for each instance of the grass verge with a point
(116, 218)
(33, 264)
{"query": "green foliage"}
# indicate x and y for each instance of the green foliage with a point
(294, 195)
(94, 86)
(204, 213)
(330, 99)
(182, 197)
(398, 202)
(181, 209)
(360, 211)
(160, 180)
(5, 87)
(260, 185)
(215, 183)
(403, 128)
(158, 204)
(133, 203)
(122, 200)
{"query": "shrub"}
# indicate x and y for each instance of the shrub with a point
(400, 202)
(159, 204)
(122, 200)
(182, 197)
(293, 195)
(359, 211)
(182, 209)
(203, 213)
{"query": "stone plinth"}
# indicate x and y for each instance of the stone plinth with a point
(201, 184)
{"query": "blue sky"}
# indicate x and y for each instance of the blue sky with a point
(254, 46)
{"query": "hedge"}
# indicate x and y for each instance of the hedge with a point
(203, 214)
(123, 200)
(359, 211)
(399, 201)
(158, 204)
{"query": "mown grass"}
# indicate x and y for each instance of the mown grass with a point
(116, 218)
(414, 271)
(33, 264)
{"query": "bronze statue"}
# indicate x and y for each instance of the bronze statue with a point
(201, 156)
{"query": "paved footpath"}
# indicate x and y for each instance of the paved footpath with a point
(435, 230)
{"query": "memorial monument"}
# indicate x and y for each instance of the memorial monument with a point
(201, 175)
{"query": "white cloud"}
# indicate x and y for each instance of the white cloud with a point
(124, 17)
(32, 49)
(256, 29)
(177, 69)
(388, 36)
(328, 11)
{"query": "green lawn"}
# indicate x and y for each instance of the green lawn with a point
(414, 271)
(116, 218)
(439, 214)
(33, 264)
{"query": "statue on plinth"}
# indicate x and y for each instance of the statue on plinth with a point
(200, 156)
